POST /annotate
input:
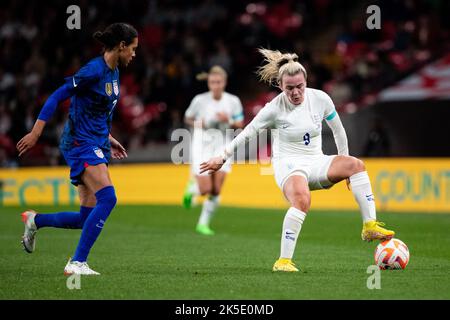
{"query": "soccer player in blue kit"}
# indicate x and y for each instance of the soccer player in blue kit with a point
(86, 144)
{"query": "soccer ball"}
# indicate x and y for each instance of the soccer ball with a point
(392, 254)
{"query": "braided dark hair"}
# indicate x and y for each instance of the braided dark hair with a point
(114, 34)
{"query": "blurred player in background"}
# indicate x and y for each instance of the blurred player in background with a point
(219, 110)
(298, 161)
(86, 143)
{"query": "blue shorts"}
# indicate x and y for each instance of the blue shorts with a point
(81, 157)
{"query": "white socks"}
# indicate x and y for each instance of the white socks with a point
(292, 225)
(362, 191)
(209, 207)
(294, 218)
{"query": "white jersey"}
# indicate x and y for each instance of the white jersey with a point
(299, 127)
(211, 140)
(205, 107)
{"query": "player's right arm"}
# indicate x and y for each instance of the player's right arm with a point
(85, 76)
(192, 114)
(29, 140)
(264, 119)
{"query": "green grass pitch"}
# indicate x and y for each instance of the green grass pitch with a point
(152, 252)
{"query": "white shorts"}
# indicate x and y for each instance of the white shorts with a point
(313, 168)
(204, 153)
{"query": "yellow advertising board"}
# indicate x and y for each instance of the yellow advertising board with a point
(421, 185)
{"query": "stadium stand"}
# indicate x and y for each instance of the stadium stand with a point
(179, 39)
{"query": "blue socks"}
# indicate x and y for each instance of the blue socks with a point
(66, 220)
(106, 200)
(91, 220)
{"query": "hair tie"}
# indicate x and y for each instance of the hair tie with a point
(286, 60)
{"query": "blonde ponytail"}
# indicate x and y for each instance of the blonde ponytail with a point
(278, 64)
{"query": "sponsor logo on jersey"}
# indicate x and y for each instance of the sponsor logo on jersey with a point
(116, 87)
(108, 88)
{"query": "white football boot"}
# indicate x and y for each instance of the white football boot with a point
(29, 235)
(81, 268)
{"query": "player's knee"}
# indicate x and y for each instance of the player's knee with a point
(356, 165)
(215, 191)
(112, 200)
(301, 200)
(106, 197)
(89, 201)
(205, 190)
(87, 198)
(359, 165)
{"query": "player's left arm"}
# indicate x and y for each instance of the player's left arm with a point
(339, 134)
(117, 150)
(233, 123)
(334, 122)
(237, 118)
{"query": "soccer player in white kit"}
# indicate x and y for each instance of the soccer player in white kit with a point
(298, 161)
(210, 114)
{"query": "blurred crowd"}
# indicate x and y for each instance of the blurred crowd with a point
(179, 39)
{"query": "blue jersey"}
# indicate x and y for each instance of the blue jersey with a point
(95, 92)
